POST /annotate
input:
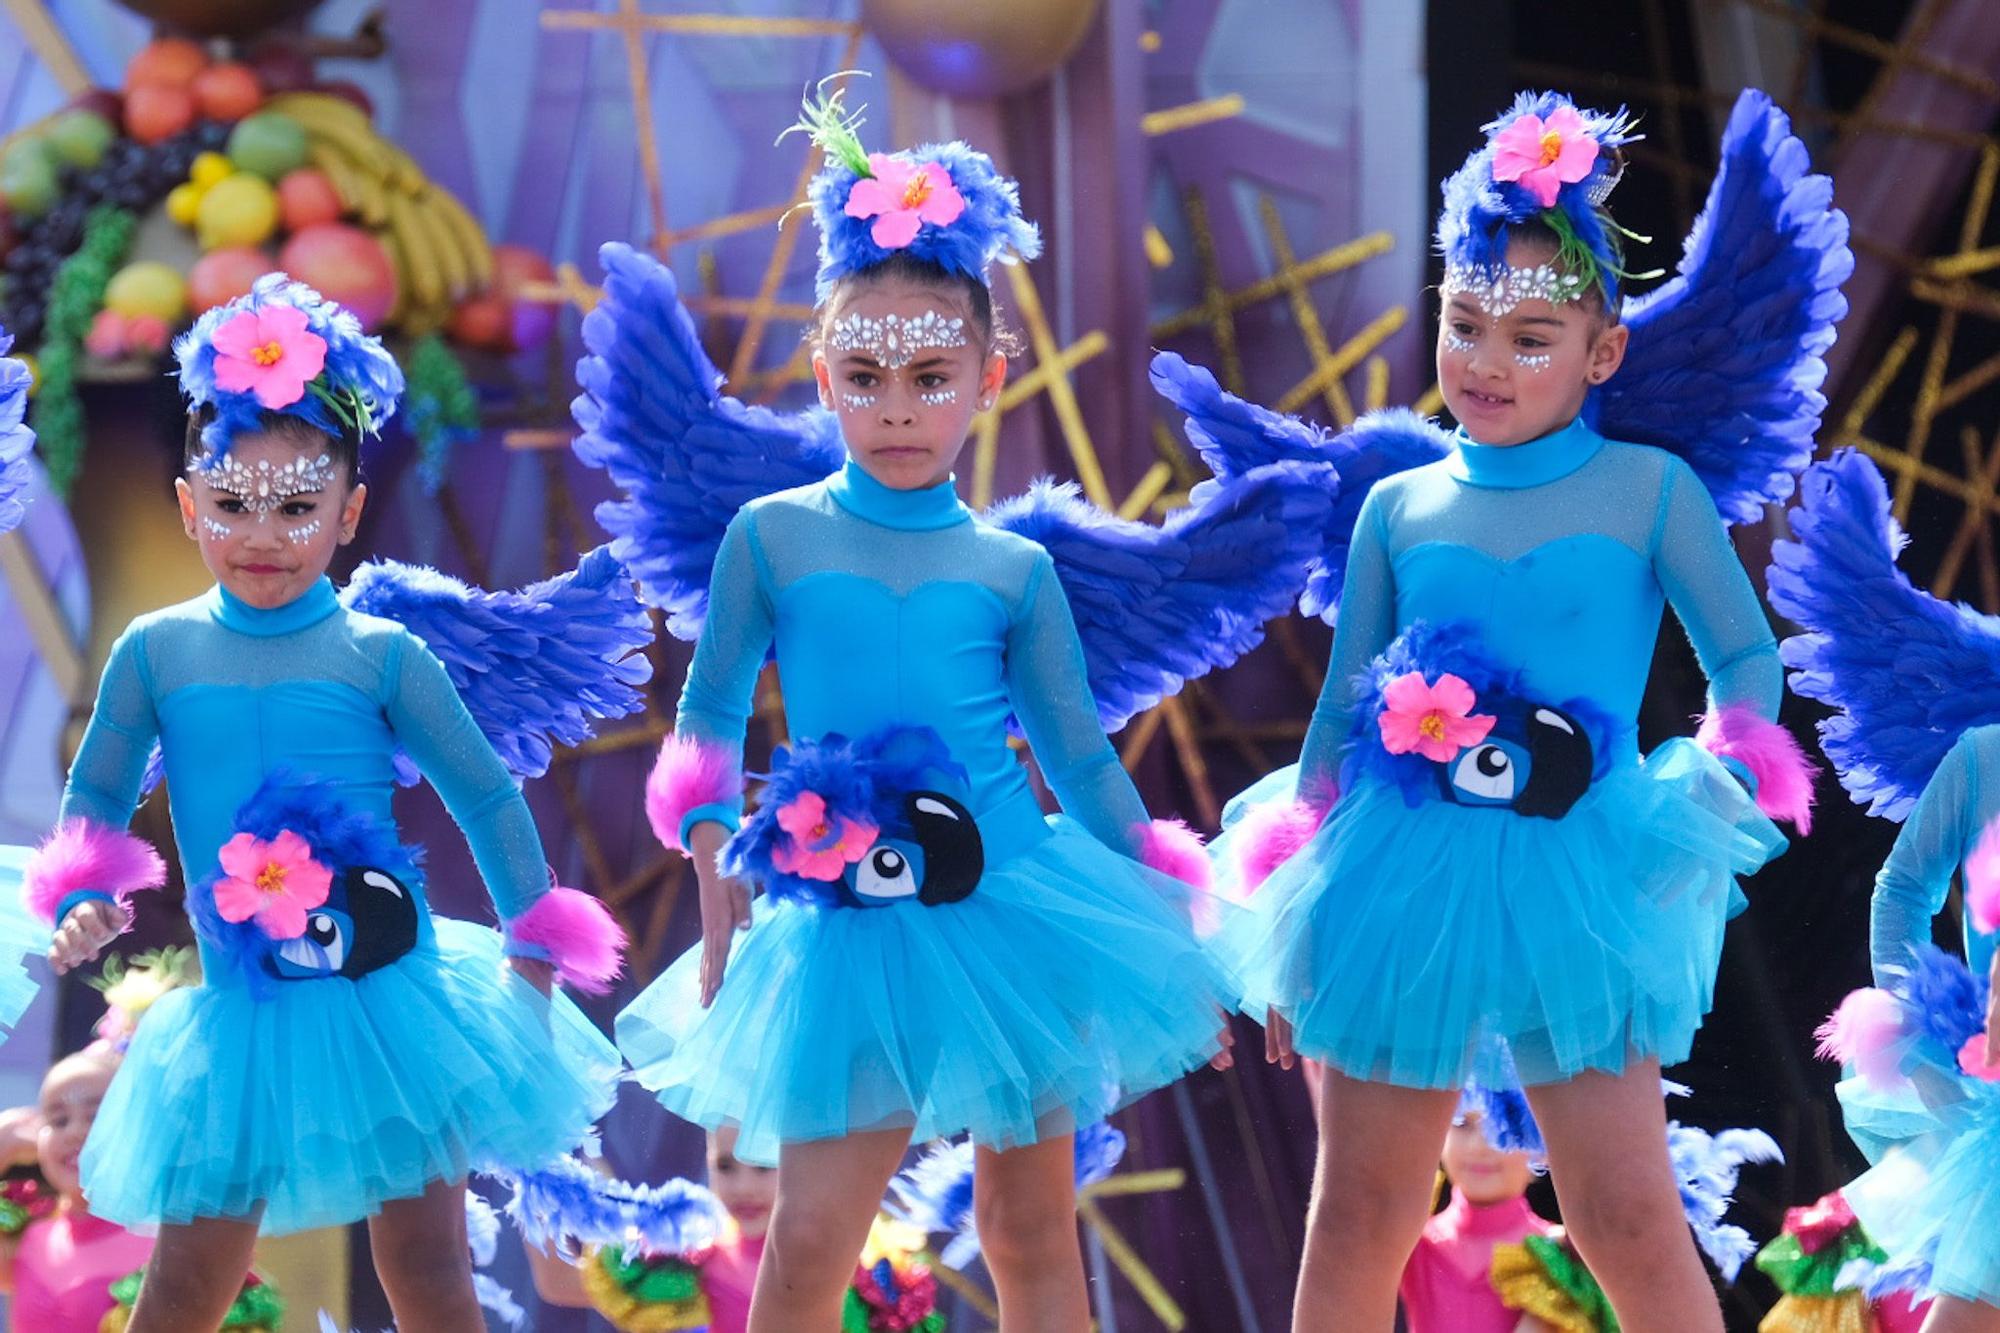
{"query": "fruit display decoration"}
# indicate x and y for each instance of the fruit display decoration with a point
(254, 166)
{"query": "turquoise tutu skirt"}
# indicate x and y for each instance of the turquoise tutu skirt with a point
(1932, 1200)
(326, 1098)
(1068, 983)
(1403, 939)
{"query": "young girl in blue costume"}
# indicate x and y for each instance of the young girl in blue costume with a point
(1917, 739)
(1496, 862)
(347, 1056)
(932, 955)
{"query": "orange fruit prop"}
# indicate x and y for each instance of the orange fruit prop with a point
(169, 60)
(228, 91)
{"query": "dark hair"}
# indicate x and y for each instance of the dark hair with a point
(344, 449)
(911, 271)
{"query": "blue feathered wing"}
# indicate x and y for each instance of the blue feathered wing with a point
(1726, 359)
(686, 456)
(1156, 607)
(1234, 436)
(1907, 672)
(16, 440)
(534, 667)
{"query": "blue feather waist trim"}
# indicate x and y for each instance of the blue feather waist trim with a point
(876, 822)
(1487, 742)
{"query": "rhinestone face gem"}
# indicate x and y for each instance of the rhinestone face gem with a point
(894, 341)
(1497, 291)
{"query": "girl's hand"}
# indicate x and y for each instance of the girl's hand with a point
(84, 933)
(1278, 1040)
(537, 972)
(725, 907)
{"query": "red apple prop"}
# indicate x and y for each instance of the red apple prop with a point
(347, 265)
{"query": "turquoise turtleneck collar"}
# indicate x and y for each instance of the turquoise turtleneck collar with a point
(308, 609)
(911, 511)
(1535, 463)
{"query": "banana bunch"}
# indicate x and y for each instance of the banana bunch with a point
(440, 252)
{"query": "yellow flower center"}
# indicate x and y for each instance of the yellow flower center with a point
(1552, 146)
(918, 190)
(271, 879)
(269, 354)
(820, 830)
(1432, 726)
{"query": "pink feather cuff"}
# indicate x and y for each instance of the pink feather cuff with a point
(691, 776)
(1783, 774)
(1269, 835)
(576, 933)
(1864, 1033)
(86, 857)
(1172, 848)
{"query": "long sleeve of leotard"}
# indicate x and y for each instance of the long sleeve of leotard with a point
(735, 638)
(1364, 630)
(1049, 688)
(1913, 883)
(110, 765)
(432, 725)
(1706, 585)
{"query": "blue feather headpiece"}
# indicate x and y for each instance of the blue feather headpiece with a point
(285, 348)
(945, 204)
(1545, 160)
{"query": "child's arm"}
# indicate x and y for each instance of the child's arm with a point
(694, 797)
(542, 922)
(1049, 688)
(699, 778)
(1364, 630)
(1913, 882)
(1713, 596)
(1710, 592)
(80, 878)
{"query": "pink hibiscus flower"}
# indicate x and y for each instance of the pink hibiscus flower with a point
(277, 882)
(1436, 721)
(902, 196)
(821, 847)
(269, 352)
(1544, 155)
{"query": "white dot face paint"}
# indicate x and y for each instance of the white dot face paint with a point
(216, 529)
(305, 532)
(940, 398)
(1534, 361)
(857, 402)
(1456, 343)
(895, 340)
